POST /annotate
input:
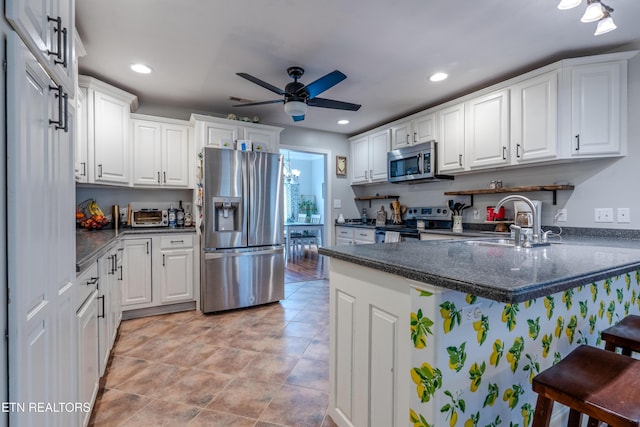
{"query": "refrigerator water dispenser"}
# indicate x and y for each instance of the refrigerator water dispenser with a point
(227, 214)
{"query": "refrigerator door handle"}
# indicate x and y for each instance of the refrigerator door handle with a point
(215, 255)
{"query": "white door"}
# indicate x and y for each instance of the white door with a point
(175, 155)
(111, 139)
(451, 142)
(534, 118)
(487, 130)
(176, 277)
(147, 153)
(136, 270)
(596, 107)
(33, 306)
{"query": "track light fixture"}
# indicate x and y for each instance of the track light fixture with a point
(596, 11)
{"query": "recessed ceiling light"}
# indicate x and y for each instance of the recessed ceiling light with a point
(437, 77)
(343, 122)
(141, 68)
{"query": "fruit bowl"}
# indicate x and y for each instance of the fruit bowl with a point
(90, 216)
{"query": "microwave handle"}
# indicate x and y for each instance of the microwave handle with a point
(420, 164)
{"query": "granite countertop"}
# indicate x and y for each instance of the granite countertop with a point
(499, 273)
(91, 244)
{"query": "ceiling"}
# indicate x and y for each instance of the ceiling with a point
(387, 49)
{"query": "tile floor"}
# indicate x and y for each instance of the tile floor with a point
(266, 366)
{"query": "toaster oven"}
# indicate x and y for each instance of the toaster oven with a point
(149, 218)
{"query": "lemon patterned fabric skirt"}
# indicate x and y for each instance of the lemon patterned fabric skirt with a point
(476, 370)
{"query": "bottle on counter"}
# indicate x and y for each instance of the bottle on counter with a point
(364, 215)
(172, 216)
(180, 216)
(188, 219)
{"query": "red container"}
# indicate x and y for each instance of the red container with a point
(492, 215)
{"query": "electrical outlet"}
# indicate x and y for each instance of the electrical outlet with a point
(476, 213)
(561, 215)
(624, 215)
(603, 214)
(471, 313)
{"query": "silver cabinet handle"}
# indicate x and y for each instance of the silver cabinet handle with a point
(365, 175)
(407, 139)
(177, 241)
(415, 137)
(84, 168)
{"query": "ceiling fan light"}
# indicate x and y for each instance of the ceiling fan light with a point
(594, 12)
(295, 108)
(605, 25)
(568, 4)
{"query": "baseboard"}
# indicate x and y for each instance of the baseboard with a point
(163, 309)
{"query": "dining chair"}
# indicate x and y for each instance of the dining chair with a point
(312, 237)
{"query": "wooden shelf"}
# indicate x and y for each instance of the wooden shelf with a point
(370, 198)
(523, 189)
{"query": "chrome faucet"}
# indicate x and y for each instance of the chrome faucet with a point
(536, 227)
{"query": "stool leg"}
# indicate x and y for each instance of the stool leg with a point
(575, 418)
(544, 407)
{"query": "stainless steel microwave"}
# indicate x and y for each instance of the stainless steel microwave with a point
(414, 164)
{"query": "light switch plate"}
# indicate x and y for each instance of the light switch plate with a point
(337, 203)
(603, 214)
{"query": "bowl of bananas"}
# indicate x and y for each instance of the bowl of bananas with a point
(90, 216)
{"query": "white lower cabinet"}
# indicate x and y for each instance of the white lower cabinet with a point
(369, 355)
(354, 235)
(109, 305)
(136, 268)
(158, 270)
(176, 269)
(87, 329)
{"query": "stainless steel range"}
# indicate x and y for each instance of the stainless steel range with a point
(416, 219)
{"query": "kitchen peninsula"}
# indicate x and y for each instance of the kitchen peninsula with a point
(450, 332)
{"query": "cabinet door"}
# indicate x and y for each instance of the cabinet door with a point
(81, 153)
(147, 153)
(32, 337)
(534, 119)
(424, 129)
(262, 139)
(451, 143)
(364, 236)
(344, 235)
(487, 130)
(111, 139)
(106, 283)
(136, 269)
(596, 108)
(401, 136)
(220, 135)
(88, 371)
(360, 160)
(175, 155)
(176, 276)
(36, 22)
(378, 148)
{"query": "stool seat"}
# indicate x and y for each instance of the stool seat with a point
(594, 382)
(625, 335)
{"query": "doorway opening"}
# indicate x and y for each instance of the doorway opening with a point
(305, 202)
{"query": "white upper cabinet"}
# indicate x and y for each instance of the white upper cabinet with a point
(487, 130)
(451, 143)
(420, 129)
(534, 119)
(107, 132)
(47, 28)
(598, 108)
(369, 158)
(161, 150)
(223, 133)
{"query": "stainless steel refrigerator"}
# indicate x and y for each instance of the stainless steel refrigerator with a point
(242, 227)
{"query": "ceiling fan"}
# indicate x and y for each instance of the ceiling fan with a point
(297, 96)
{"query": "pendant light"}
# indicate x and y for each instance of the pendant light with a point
(594, 11)
(605, 24)
(568, 4)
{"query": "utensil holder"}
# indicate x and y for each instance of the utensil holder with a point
(457, 224)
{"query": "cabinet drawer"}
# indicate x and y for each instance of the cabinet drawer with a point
(344, 232)
(368, 234)
(87, 283)
(176, 241)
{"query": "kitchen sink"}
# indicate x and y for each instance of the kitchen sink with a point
(502, 242)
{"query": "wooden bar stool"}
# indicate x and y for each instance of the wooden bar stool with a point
(600, 384)
(624, 335)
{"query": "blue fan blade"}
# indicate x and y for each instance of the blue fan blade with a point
(323, 83)
(298, 118)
